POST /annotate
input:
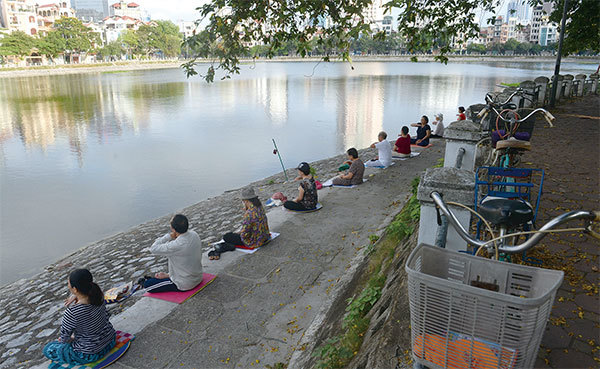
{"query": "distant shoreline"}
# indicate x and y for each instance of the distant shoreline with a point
(147, 65)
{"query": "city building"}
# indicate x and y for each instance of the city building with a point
(517, 29)
(187, 28)
(373, 14)
(548, 34)
(518, 9)
(90, 10)
(115, 25)
(48, 14)
(388, 24)
(486, 36)
(539, 19)
(125, 9)
(19, 15)
(497, 29)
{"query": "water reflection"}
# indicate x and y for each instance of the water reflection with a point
(101, 145)
(39, 111)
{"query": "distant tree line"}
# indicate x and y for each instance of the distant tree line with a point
(209, 47)
(512, 46)
(70, 36)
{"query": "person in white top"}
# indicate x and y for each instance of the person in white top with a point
(439, 126)
(183, 249)
(384, 148)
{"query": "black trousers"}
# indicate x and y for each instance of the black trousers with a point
(292, 205)
(233, 238)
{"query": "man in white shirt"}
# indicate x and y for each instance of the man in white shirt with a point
(183, 250)
(384, 148)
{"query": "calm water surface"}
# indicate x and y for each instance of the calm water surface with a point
(86, 156)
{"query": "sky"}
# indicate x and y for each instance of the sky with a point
(176, 10)
(173, 10)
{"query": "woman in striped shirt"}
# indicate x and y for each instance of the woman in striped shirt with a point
(86, 335)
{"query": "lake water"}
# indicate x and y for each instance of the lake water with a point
(86, 156)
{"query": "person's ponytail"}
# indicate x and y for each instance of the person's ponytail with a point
(82, 280)
(95, 295)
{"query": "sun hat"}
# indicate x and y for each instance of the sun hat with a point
(304, 168)
(440, 115)
(248, 193)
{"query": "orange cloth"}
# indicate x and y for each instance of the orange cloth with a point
(457, 351)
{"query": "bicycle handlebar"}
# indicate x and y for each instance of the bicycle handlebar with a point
(590, 216)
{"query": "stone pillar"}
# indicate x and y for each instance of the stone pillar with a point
(472, 112)
(594, 84)
(559, 83)
(542, 83)
(568, 83)
(579, 83)
(456, 185)
(461, 134)
(506, 93)
(529, 87)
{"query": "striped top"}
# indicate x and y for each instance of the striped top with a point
(90, 326)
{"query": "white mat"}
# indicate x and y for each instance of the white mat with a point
(380, 166)
(412, 155)
(329, 183)
(274, 235)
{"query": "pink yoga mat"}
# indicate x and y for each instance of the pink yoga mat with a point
(180, 297)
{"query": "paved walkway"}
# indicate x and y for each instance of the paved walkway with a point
(256, 310)
(260, 304)
(570, 155)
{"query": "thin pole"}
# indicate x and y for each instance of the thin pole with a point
(558, 57)
(281, 161)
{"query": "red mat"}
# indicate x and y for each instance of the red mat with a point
(180, 297)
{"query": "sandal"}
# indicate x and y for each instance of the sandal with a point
(214, 255)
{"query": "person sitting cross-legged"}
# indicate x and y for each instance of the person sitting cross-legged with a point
(255, 227)
(355, 173)
(439, 126)
(423, 132)
(183, 249)
(402, 145)
(307, 191)
(384, 151)
(86, 334)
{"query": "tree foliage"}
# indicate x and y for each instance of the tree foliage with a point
(582, 30)
(157, 37)
(112, 49)
(17, 43)
(77, 37)
(236, 27)
(51, 44)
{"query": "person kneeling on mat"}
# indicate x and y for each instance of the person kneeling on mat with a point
(86, 334)
(307, 191)
(183, 249)
(255, 227)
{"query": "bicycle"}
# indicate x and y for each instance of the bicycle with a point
(506, 214)
(473, 312)
(507, 141)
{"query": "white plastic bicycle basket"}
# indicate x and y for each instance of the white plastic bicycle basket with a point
(475, 313)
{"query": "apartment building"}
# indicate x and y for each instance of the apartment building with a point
(19, 15)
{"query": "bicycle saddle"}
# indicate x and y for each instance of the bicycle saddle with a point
(513, 143)
(506, 212)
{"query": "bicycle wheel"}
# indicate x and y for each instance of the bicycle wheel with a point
(502, 125)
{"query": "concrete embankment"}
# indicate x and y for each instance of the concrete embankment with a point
(260, 304)
(148, 65)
